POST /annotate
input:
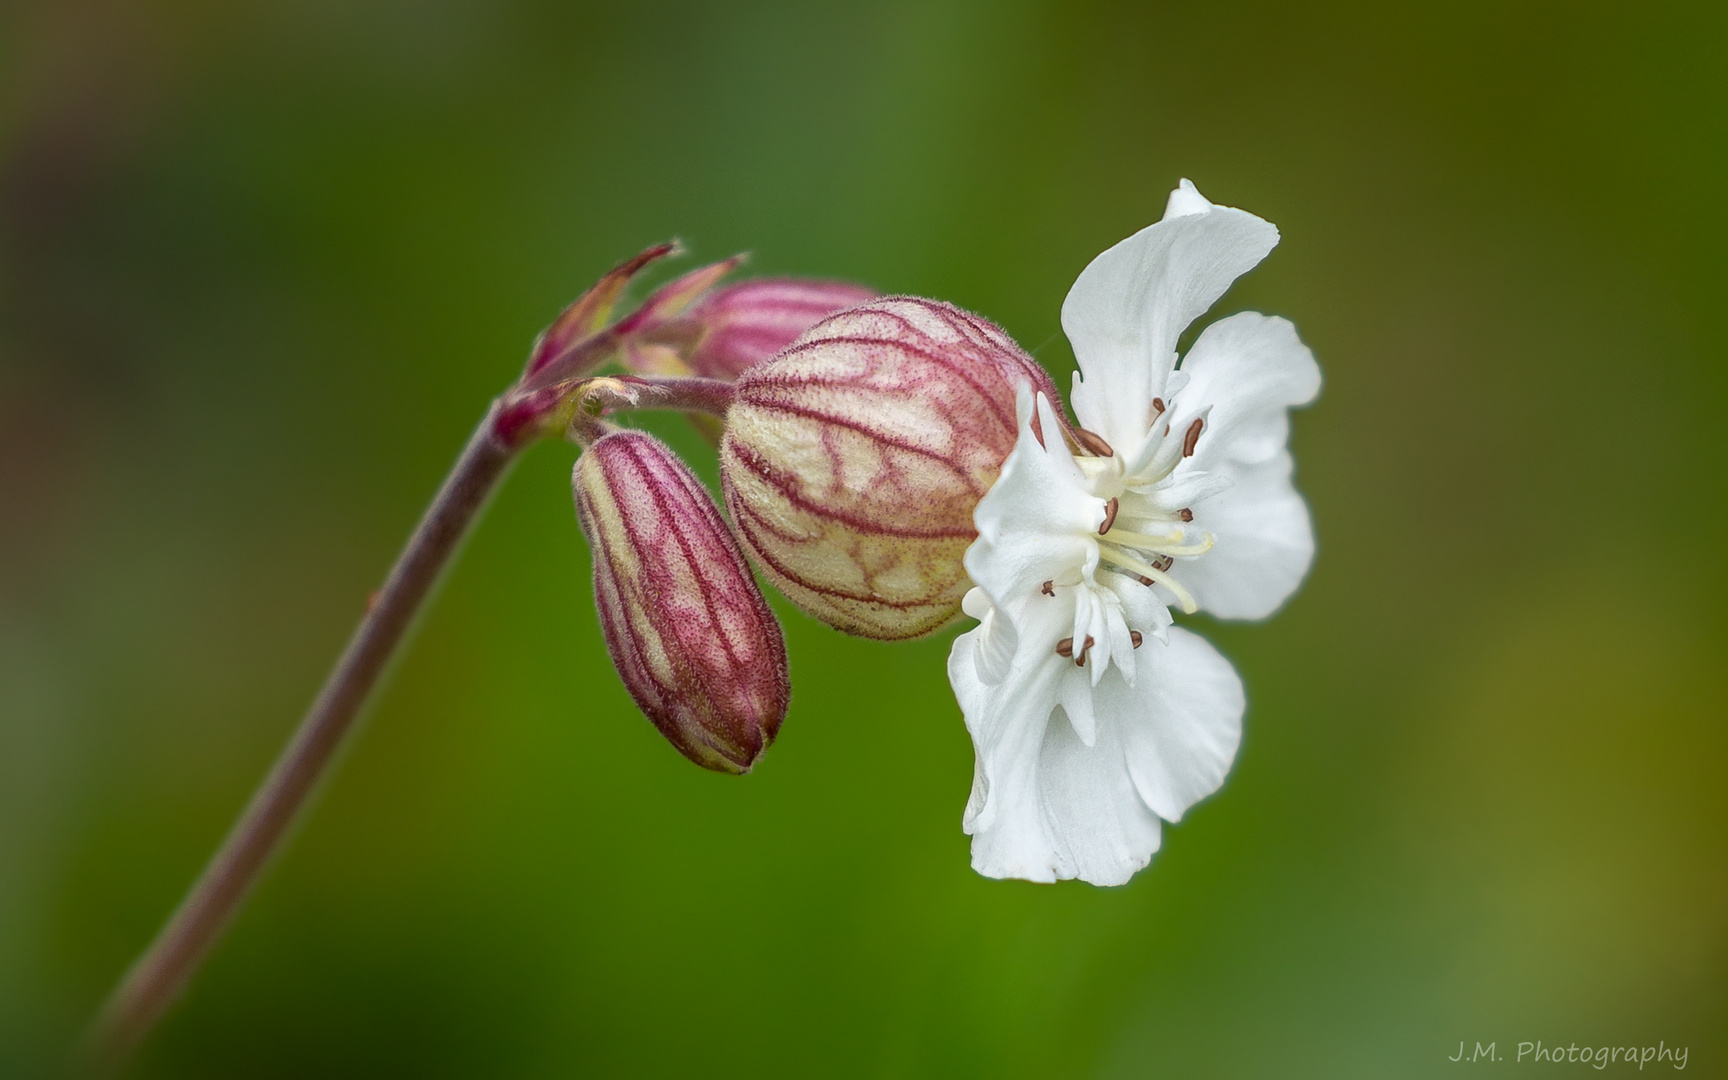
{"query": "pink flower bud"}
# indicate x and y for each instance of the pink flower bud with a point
(688, 630)
(745, 324)
(853, 460)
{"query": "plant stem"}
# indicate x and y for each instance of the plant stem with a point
(173, 957)
(680, 393)
(692, 394)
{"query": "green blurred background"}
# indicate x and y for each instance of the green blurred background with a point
(264, 264)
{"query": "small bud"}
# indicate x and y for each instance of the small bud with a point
(688, 630)
(745, 324)
(579, 340)
(854, 459)
(589, 313)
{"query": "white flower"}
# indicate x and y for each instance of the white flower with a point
(1092, 716)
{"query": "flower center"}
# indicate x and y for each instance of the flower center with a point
(1141, 535)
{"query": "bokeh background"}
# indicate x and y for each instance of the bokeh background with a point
(264, 264)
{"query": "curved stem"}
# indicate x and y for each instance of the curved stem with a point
(676, 393)
(157, 977)
(679, 393)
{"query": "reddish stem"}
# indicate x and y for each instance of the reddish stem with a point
(158, 976)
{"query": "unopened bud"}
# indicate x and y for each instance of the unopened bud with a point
(745, 324)
(854, 459)
(579, 340)
(688, 629)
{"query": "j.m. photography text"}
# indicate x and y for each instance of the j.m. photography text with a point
(1597, 1057)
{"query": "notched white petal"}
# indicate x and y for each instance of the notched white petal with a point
(1101, 831)
(1006, 721)
(1251, 369)
(1077, 705)
(1129, 305)
(1263, 543)
(1186, 722)
(996, 637)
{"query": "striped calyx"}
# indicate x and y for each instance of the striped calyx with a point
(688, 629)
(744, 324)
(853, 460)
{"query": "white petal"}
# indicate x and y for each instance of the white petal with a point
(1189, 486)
(1099, 822)
(1263, 543)
(1047, 806)
(1128, 307)
(1122, 651)
(995, 635)
(1007, 722)
(1047, 803)
(1141, 606)
(1037, 521)
(976, 604)
(1251, 369)
(1076, 698)
(1182, 721)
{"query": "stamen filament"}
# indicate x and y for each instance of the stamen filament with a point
(1130, 538)
(1129, 562)
(1168, 544)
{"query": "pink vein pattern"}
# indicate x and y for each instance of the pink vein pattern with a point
(688, 630)
(747, 323)
(853, 459)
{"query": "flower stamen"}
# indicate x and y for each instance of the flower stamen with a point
(1168, 544)
(1110, 509)
(1192, 437)
(1065, 649)
(1093, 442)
(1121, 558)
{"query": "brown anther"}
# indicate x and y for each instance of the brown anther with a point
(1192, 437)
(1065, 649)
(1080, 657)
(1157, 407)
(1093, 442)
(1110, 509)
(1161, 564)
(1144, 580)
(1134, 636)
(1048, 588)
(1185, 514)
(1037, 428)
